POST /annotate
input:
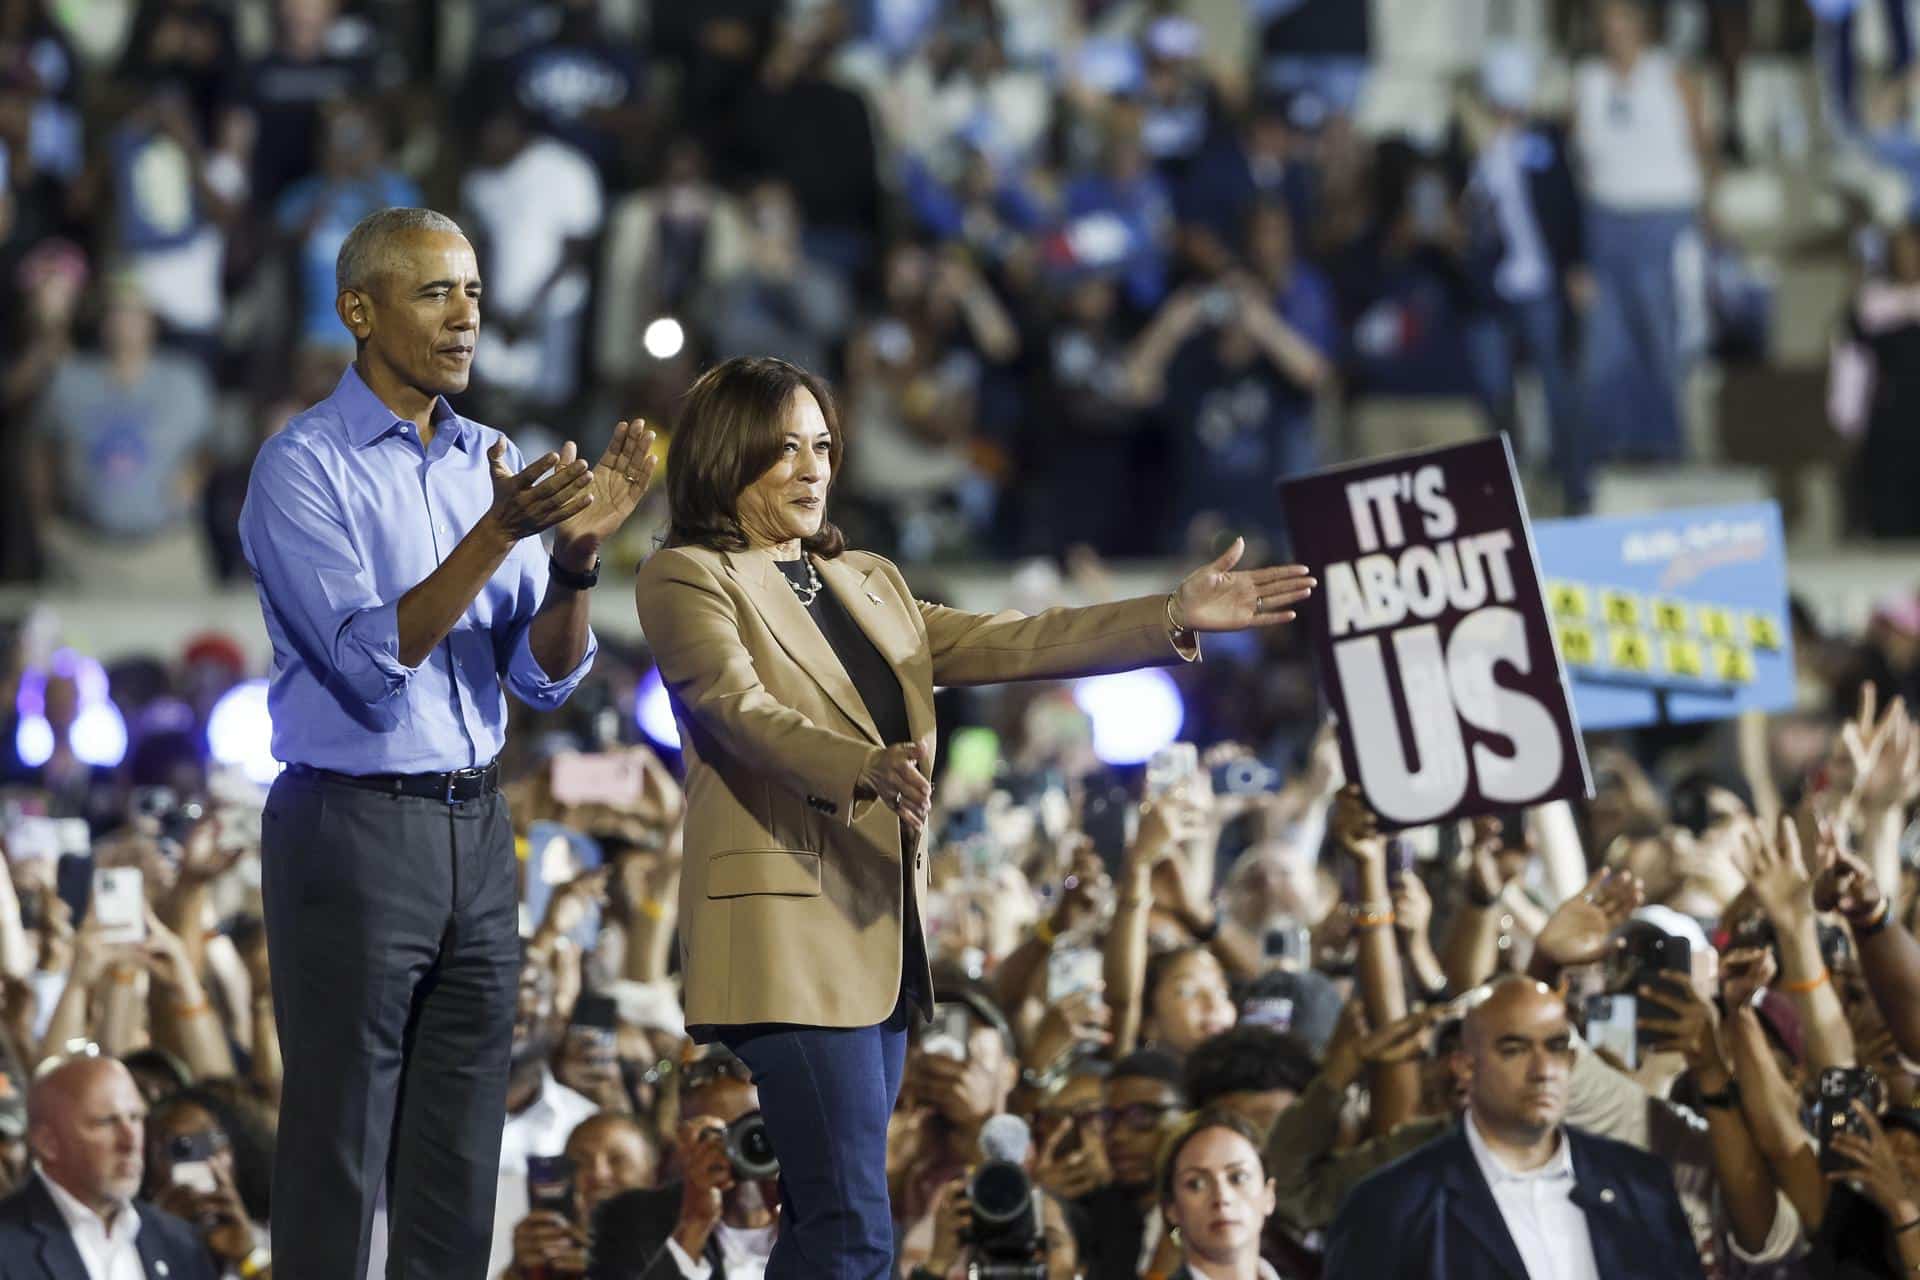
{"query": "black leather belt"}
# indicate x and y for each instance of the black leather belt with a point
(457, 787)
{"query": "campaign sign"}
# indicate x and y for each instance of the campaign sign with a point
(1675, 616)
(1432, 636)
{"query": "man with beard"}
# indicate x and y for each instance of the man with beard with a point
(541, 1112)
(1513, 1191)
(76, 1218)
(708, 1225)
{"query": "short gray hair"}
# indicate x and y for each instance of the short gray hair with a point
(365, 245)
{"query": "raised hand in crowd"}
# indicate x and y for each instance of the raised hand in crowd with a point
(1581, 929)
(1778, 874)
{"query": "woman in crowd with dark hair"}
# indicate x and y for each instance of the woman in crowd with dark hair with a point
(1216, 1195)
(801, 675)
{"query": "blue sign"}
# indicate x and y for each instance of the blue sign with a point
(1683, 607)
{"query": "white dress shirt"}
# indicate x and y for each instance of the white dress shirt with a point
(1547, 1227)
(541, 1130)
(108, 1253)
(743, 1252)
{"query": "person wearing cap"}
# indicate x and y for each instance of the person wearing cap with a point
(396, 548)
(1514, 1190)
(78, 1217)
(1528, 237)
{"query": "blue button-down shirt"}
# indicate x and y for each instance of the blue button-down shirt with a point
(345, 514)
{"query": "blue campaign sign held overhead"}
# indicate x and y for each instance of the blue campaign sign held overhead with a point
(1689, 606)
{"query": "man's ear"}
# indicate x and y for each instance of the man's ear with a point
(1460, 1067)
(355, 310)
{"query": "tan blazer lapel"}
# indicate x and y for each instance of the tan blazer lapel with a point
(872, 602)
(787, 618)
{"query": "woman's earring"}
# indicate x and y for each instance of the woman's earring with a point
(1174, 1235)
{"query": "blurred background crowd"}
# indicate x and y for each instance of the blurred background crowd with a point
(1087, 275)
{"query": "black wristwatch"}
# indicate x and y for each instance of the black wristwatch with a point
(1725, 1100)
(569, 579)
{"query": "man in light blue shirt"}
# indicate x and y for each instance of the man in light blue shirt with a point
(395, 547)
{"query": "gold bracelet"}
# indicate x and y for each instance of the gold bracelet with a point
(1044, 931)
(1178, 628)
(652, 908)
(193, 1010)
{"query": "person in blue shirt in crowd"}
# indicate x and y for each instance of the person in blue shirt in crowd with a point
(317, 212)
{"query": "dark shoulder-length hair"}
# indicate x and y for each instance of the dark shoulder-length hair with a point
(732, 425)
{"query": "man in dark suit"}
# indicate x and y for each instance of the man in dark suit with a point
(1512, 1193)
(76, 1217)
(693, 1228)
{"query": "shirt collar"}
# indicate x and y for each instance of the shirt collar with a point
(126, 1223)
(368, 418)
(1560, 1165)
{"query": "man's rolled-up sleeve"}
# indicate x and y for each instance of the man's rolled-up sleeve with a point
(525, 676)
(316, 582)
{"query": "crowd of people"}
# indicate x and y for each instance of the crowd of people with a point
(1215, 998)
(1078, 285)
(1087, 272)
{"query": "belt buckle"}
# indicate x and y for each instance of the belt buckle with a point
(453, 781)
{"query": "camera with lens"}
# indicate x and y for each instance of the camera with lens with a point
(751, 1150)
(164, 805)
(1005, 1235)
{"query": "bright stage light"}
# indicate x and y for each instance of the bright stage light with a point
(99, 735)
(664, 338)
(240, 732)
(653, 712)
(1134, 713)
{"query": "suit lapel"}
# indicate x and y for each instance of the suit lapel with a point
(58, 1254)
(1605, 1207)
(794, 628)
(866, 598)
(1471, 1207)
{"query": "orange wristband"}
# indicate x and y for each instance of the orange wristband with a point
(1811, 984)
(1371, 919)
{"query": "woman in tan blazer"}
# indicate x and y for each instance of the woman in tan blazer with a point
(801, 675)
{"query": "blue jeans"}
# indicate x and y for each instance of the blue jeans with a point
(1529, 329)
(1632, 367)
(827, 1094)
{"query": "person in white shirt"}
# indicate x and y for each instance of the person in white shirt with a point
(1641, 138)
(541, 1112)
(1513, 1191)
(77, 1217)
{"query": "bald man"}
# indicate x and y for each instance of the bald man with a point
(1512, 1193)
(76, 1217)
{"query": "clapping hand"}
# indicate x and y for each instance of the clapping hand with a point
(1356, 829)
(616, 485)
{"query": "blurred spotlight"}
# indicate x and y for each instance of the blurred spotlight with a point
(99, 735)
(33, 741)
(653, 713)
(1134, 713)
(240, 733)
(664, 338)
